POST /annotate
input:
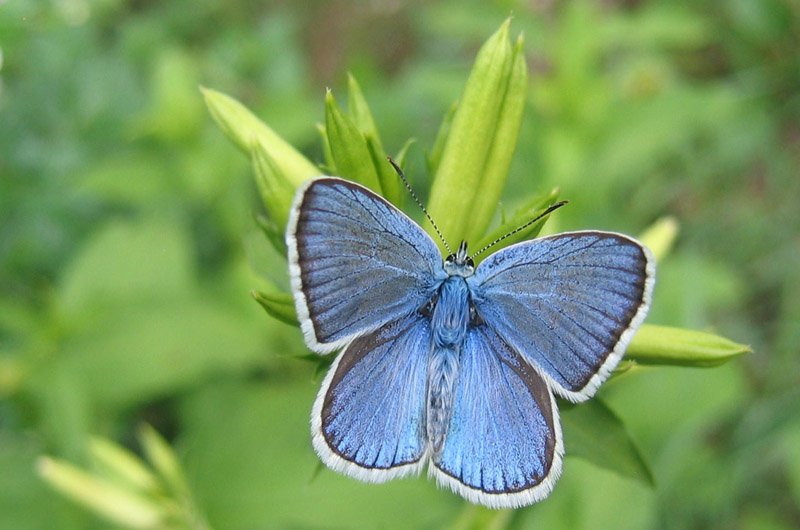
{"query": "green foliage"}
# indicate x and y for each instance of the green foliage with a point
(128, 243)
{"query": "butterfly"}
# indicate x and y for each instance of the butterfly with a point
(448, 365)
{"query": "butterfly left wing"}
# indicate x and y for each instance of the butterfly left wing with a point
(569, 303)
(368, 418)
(503, 447)
(356, 262)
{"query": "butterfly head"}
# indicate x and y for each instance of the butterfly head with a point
(460, 263)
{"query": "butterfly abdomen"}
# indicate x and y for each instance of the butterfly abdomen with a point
(449, 326)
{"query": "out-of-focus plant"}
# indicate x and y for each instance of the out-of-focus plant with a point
(470, 163)
(124, 489)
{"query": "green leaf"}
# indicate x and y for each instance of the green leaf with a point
(529, 211)
(348, 147)
(175, 112)
(164, 461)
(390, 181)
(158, 349)
(400, 158)
(277, 305)
(359, 111)
(682, 347)
(458, 177)
(243, 128)
(592, 431)
(273, 234)
(330, 165)
(124, 263)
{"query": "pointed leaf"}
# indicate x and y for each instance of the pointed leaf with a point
(277, 305)
(348, 147)
(359, 111)
(390, 182)
(274, 235)
(330, 165)
(592, 431)
(400, 158)
(163, 459)
(531, 210)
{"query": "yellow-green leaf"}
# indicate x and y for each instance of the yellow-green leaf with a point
(348, 147)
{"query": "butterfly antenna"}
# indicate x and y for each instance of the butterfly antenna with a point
(421, 207)
(549, 210)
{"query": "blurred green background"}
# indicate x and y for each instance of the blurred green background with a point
(128, 247)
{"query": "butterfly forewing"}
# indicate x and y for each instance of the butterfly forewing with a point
(503, 446)
(356, 262)
(568, 303)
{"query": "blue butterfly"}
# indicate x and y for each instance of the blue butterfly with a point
(448, 365)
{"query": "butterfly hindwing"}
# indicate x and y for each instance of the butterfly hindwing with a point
(569, 303)
(368, 419)
(356, 262)
(503, 446)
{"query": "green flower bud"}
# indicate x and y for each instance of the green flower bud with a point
(244, 129)
(504, 143)
(682, 347)
(277, 192)
(460, 174)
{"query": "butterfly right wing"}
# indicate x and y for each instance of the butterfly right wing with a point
(569, 303)
(503, 447)
(356, 262)
(368, 418)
